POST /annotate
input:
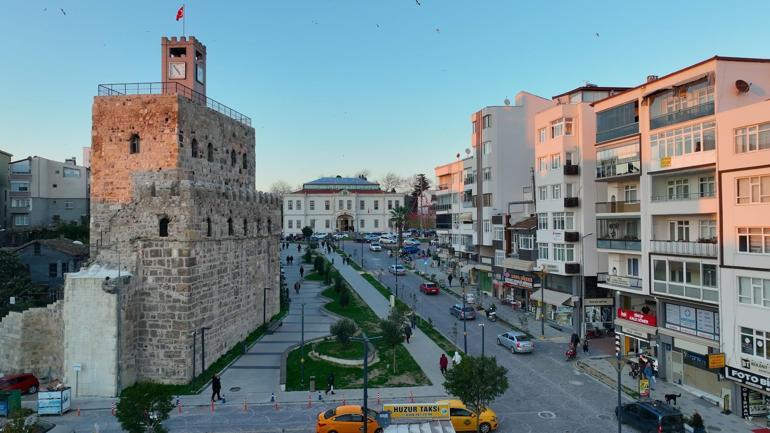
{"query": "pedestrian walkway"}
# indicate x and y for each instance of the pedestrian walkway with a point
(603, 369)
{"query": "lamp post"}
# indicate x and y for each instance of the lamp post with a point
(581, 320)
(203, 347)
(362, 254)
(302, 348)
(465, 329)
(365, 339)
(542, 272)
(264, 307)
(482, 338)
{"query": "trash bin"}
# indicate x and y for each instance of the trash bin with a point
(9, 402)
(312, 383)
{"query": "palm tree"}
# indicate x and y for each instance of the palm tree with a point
(398, 218)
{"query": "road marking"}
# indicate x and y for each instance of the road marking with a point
(546, 414)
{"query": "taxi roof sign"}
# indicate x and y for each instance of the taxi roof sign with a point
(429, 411)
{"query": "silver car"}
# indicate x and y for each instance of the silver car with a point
(517, 342)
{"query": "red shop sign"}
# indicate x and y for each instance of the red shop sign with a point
(633, 316)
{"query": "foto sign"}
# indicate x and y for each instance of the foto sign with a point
(432, 411)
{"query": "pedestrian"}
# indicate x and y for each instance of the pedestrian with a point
(462, 281)
(456, 359)
(585, 346)
(216, 387)
(297, 285)
(407, 332)
(413, 316)
(443, 362)
(301, 272)
(330, 383)
(649, 374)
(575, 340)
(449, 278)
(299, 248)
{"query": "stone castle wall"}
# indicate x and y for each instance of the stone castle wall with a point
(31, 342)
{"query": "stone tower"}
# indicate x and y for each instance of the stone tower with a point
(174, 208)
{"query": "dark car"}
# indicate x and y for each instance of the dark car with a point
(27, 383)
(410, 249)
(466, 313)
(652, 416)
(429, 288)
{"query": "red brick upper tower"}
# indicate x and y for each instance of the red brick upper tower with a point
(184, 62)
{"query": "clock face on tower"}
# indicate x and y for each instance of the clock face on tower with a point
(176, 71)
(199, 73)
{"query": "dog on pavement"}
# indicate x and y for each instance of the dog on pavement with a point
(672, 397)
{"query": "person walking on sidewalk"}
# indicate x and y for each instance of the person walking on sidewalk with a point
(413, 318)
(649, 374)
(449, 278)
(585, 346)
(443, 362)
(301, 272)
(297, 285)
(299, 248)
(216, 387)
(407, 332)
(330, 383)
(462, 282)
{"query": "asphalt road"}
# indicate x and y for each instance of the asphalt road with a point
(546, 393)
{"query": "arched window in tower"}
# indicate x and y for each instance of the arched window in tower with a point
(163, 227)
(230, 231)
(208, 227)
(245, 227)
(194, 148)
(259, 225)
(245, 161)
(210, 152)
(134, 143)
(269, 226)
(232, 158)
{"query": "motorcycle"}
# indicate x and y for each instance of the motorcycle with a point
(491, 314)
(571, 353)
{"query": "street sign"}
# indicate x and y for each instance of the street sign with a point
(432, 411)
(716, 360)
(76, 366)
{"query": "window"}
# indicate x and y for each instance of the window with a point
(499, 234)
(542, 192)
(397, 204)
(555, 161)
(679, 231)
(556, 191)
(499, 257)
(390, 204)
(312, 224)
(752, 138)
(180, 138)
(291, 224)
(569, 158)
(706, 186)
(210, 152)
(376, 223)
(683, 141)
(20, 203)
(53, 270)
(311, 205)
(559, 252)
(230, 228)
(569, 220)
(19, 186)
(542, 164)
(350, 204)
(361, 205)
(376, 205)
(233, 158)
(327, 224)
(299, 205)
(486, 200)
(754, 291)
(245, 162)
(707, 230)
(299, 224)
(755, 342)
(163, 227)
(290, 204)
(475, 127)
(487, 119)
(561, 127)
(751, 190)
(678, 189)
(541, 135)
(526, 242)
(133, 143)
(486, 147)
(340, 207)
(21, 220)
(558, 220)
(754, 240)
(70, 172)
(487, 226)
(632, 266)
(542, 251)
(687, 279)
(327, 204)
(269, 226)
(486, 173)
(245, 227)
(542, 221)
(629, 194)
(208, 227)
(65, 268)
(194, 148)
(362, 223)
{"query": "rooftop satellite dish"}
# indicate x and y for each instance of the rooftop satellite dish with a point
(467, 151)
(507, 101)
(742, 86)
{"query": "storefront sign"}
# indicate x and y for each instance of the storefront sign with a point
(756, 365)
(519, 281)
(692, 321)
(633, 332)
(695, 359)
(753, 403)
(417, 411)
(747, 378)
(486, 260)
(634, 316)
(644, 388)
(716, 360)
(557, 235)
(665, 162)
(598, 301)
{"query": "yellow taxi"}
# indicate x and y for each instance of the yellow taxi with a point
(346, 419)
(465, 420)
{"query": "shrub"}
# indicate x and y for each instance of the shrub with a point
(338, 284)
(308, 256)
(143, 408)
(318, 264)
(328, 274)
(343, 329)
(345, 296)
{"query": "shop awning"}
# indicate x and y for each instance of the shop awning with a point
(486, 268)
(552, 297)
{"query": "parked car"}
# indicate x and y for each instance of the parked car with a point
(340, 236)
(319, 236)
(25, 382)
(517, 342)
(411, 243)
(462, 313)
(346, 419)
(397, 269)
(429, 288)
(470, 298)
(652, 416)
(374, 246)
(411, 249)
(387, 240)
(371, 237)
(464, 420)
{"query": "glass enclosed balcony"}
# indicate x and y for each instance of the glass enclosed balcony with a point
(618, 234)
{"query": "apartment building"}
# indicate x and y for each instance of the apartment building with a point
(448, 206)
(339, 204)
(495, 173)
(5, 159)
(45, 193)
(660, 220)
(565, 192)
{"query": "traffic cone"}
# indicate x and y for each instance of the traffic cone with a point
(378, 397)
(309, 400)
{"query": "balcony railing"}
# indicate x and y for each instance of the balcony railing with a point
(617, 206)
(443, 187)
(443, 225)
(571, 202)
(619, 244)
(683, 115)
(620, 281)
(443, 207)
(696, 249)
(167, 88)
(571, 170)
(468, 204)
(679, 197)
(620, 131)
(626, 167)
(469, 180)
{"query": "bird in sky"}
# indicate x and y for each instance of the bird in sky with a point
(62, 11)
(418, 2)
(438, 30)
(597, 35)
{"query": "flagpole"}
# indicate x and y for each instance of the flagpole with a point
(184, 18)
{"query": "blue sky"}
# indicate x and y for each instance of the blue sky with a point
(328, 90)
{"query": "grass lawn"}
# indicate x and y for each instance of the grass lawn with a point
(380, 373)
(314, 276)
(352, 350)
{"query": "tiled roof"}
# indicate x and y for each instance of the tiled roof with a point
(64, 245)
(340, 181)
(526, 224)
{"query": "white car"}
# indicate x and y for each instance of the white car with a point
(339, 236)
(375, 247)
(411, 242)
(397, 269)
(387, 240)
(319, 236)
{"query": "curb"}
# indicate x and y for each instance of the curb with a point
(603, 378)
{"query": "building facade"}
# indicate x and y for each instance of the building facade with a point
(340, 204)
(5, 159)
(448, 206)
(48, 260)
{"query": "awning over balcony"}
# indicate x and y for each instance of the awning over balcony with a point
(552, 297)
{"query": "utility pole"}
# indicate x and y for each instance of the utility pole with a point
(203, 347)
(465, 328)
(366, 341)
(543, 274)
(482, 338)
(302, 348)
(581, 320)
(620, 368)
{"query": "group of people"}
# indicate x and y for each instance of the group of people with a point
(443, 362)
(450, 277)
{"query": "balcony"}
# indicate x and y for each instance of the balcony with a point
(571, 202)
(632, 283)
(683, 115)
(571, 170)
(443, 207)
(693, 249)
(617, 132)
(469, 180)
(680, 197)
(572, 268)
(443, 226)
(443, 187)
(619, 244)
(571, 236)
(618, 168)
(617, 206)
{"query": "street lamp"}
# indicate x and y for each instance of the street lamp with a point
(581, 320)
(542, 272)
(203, 347)
(465, 329)
(264, 307)
(366, 341)
(302, 348)
(482, 338)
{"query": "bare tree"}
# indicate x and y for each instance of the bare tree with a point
(280, 187)
(391, 181)
(364, 172)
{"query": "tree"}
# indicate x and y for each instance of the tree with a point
(392, 336)
(420, 185)
(343, 329)
(477, 381)
(143, 407)
(398, 218)
(307, 232)
(281, 188)
(391, 181)
(363, 173)
(15, 282)
(318, 264)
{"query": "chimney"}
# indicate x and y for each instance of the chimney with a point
(651, 78)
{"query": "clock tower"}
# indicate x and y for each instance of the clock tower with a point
(184, 62)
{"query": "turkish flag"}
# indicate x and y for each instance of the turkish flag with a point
(180, 13)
